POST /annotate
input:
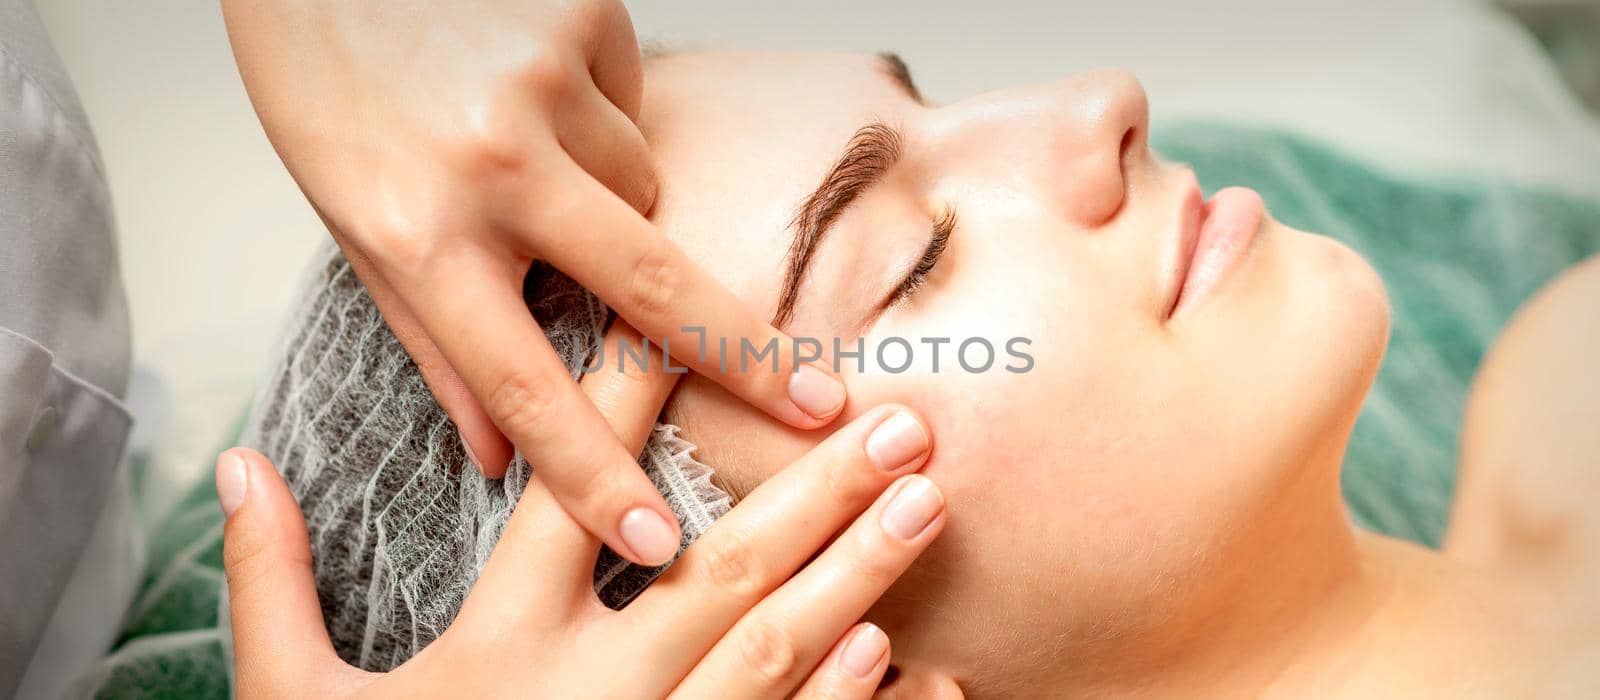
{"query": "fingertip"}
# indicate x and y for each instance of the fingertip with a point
(277, 625)
(649, 536)
(855, 667)
(488, 449)
(818, 394)
(900, 439)
(865, 652)
(497, 451)
(915, 506)
(232, 479)
(248, 482)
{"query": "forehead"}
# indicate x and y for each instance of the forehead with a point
(740, 138)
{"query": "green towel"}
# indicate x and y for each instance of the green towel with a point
(1458, 254)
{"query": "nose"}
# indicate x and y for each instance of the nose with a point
(1078, 138)
(1098, 123)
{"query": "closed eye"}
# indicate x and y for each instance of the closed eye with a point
(918, 275)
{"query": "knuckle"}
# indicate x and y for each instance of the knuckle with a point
(489, 144)
(769, 652)
(244, 565)
(391, 232)
(402, 231)
(599, 484)
(872, 560)
(400, 244)
(840, 483)
(654, 285)
(547, 72)
(518, 405)
(731, 565)
(247, 561)
(498, 137)
(617, 393)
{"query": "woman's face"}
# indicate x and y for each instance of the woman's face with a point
(1103, 490)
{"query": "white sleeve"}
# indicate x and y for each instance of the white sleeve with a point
(64, 342)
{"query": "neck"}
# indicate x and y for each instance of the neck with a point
(1290, 586)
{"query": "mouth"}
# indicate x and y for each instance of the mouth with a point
(1211, 237)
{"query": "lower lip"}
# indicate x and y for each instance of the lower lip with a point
(1228, 225)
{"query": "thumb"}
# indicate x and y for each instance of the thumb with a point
(280, 643)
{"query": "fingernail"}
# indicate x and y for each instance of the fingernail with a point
(910, 511)
(233, 481)
(864, 650)
(899, 439)
(649, 536)
(817, 393)
(471, 456)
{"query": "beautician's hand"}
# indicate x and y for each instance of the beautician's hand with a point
(731, 618)
(448, 144)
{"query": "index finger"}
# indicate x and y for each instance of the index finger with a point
(482, 325)
(651, 283)
(630, 398)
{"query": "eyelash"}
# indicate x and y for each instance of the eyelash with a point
(942, 228)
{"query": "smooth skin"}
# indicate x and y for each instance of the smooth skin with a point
(448, 145)
(1154, 509)
(1530, 453)
(767, 604)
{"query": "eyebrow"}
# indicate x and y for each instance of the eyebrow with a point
(900, 73)
(871, 152)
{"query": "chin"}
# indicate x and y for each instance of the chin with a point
(1360, 298)
(1352, 319)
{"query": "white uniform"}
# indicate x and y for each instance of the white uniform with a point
(64, 348)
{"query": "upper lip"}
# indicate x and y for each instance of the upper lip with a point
(1191, 215)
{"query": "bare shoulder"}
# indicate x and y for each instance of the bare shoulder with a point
(1528, 495)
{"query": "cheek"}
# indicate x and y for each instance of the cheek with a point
(1129, 451)
(1066, 468)
(1066, 491)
